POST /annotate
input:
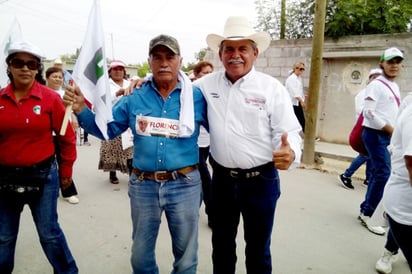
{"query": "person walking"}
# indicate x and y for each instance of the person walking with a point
(28, 169)
(253, 134)
(382, 99)
(54, 80)
(294, 85)
(164, 116)
(345, 178)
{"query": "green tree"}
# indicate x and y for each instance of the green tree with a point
(343, 17)
(267, 19)
(143, 69)
(200, 56)
(299, 22)
(355, 17)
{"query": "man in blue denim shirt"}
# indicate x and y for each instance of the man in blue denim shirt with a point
(164, 116)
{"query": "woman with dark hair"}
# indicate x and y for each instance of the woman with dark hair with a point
(54, 79)
(113, 156)
(29, 114)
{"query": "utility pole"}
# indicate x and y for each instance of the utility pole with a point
(282, 19)
(308, 156)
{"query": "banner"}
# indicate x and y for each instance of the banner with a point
(13, 35)
(90, 71)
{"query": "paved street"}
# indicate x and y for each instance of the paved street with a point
(316, 228)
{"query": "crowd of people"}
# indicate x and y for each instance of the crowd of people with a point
(237, 108)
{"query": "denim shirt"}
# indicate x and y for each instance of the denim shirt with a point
(153, 153)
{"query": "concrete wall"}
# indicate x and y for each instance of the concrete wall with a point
(345, 68)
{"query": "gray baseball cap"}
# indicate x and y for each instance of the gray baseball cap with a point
(165, 40)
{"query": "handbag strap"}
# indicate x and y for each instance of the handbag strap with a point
(396, 97)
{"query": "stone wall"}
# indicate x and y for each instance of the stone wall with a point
(345, 68)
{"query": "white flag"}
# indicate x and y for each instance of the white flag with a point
(13, 35)
(90, 71)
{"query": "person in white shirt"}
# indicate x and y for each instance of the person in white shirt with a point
(253, 134)
(382, 99)
(397, 195)
(345, 178)
(294, 85)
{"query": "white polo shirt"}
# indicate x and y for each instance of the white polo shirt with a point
(247, 119)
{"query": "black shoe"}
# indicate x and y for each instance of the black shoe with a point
(113, 178)
(346, 182)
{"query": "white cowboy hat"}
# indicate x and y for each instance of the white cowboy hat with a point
(239, 28)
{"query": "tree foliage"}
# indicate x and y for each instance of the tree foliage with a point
(343, 17)
(267, 19)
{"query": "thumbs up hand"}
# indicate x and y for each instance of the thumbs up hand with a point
(284, 156)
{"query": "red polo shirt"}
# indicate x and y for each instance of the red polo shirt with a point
(26, 129)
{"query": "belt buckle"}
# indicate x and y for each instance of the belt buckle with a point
(156, 173)
(234, 173)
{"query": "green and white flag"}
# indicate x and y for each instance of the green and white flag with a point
(90, 71)
(13, 35)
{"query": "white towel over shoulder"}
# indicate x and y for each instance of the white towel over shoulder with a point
(187, 114)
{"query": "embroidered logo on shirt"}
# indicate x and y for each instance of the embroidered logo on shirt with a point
(37, 109)
(256, 102)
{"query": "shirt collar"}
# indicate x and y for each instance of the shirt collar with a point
(245, 78)
(35, 91)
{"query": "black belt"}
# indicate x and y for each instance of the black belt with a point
(40, 165)
(163, 176)
(239, 173)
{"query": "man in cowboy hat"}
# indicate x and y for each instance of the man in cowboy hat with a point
(254, 133)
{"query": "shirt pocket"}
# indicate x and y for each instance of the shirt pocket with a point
(252, 120)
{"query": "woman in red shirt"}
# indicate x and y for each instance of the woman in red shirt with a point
(29, 114)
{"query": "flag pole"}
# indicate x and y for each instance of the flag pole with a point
(67, 115)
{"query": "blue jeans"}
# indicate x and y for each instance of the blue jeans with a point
(402, 235)
(180, 199)
(376, 143)
(255, 199)
(355, 165)
(44, 212)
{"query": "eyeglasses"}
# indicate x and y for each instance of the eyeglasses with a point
(301, 69)
(18, 64)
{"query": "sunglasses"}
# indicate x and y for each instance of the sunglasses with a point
(301, 69)
(18, 64)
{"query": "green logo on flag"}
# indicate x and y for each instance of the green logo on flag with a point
(94, 69)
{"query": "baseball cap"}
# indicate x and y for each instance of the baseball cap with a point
(117, 63)
(374, 71)
(391, 53)
(165, 40)
(27, 47)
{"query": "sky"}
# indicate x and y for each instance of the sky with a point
(58, 27)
